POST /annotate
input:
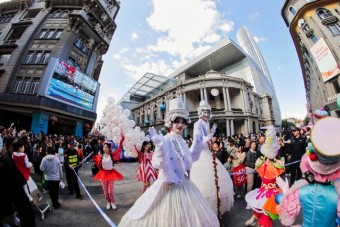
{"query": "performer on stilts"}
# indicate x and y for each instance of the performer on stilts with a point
(217, 189)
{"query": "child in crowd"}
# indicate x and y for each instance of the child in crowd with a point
(21, 161)
(229, 164)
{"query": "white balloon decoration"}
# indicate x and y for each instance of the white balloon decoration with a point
(115, 122)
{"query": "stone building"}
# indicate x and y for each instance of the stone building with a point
(50, 62)
(218, 76)
(315, 29)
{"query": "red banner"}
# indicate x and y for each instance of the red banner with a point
(239, 175)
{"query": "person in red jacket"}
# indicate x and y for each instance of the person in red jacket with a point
(107, 174)
(21, 161)
(146, 173)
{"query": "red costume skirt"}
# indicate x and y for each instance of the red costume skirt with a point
(108, 175)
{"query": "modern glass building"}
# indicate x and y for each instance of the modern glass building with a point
(259, 70)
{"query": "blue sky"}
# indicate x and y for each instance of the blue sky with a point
(158, 36)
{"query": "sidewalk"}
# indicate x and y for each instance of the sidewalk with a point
(75, 212)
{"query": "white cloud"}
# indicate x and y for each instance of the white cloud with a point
(260, 39)
(212, 38)
(121, 52)
(134, 36)
(181, 27)
(253, 16)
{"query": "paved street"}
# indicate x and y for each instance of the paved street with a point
(75, 212)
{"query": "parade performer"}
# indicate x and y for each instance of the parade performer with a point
(319, 192)
(269, 167)
(146, 173)
(107, 174)
(202, 173)
(21, 161)
(172, 200)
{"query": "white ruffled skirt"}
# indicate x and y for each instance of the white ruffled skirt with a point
(202, 174)
(173, 205)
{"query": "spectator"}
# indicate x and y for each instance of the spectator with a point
(51, 167)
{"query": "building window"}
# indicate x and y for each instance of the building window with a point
(80, 43)
(5, 18)
(50, 34)
(323, 13)
(37, 57)
(335, 29)
(17, 85)
(60, 14)
(34, 85)
(336, 86)
(314, 38)
(292, 10)
(26, 85)
(16, 32)
(4, 58)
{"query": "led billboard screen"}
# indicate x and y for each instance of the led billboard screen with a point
(70, 85)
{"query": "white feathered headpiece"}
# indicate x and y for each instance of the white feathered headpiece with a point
(270, 148)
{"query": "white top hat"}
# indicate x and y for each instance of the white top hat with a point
(176, 109)
(204, 105)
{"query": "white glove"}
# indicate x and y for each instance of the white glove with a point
(207, 138)
(282, 184)
(213, 129)
(157, 138)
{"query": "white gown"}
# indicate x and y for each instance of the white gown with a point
(173, 200)
(202, 174)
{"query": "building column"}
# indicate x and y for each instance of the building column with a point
(184, 100)
(225, 99)
(152, 119)
(232, 130)
(228, 99)
(205, 94)
(227, 128)
(243, 100)
(140, 117)
(201, 93)
(246, 126)
(136, 118)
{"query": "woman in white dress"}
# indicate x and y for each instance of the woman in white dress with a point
(202, 173)
(172, 200)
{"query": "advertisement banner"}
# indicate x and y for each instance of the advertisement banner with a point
(239, 175)
(71, 86)
(325, 60)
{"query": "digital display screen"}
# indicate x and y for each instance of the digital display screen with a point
(71, 86)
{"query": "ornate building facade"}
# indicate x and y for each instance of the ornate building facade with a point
(50, 62)
(315, 29)
(236, 107)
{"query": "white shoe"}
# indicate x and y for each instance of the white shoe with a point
(114, 206)
(250, 222)
(238, 196)
(108, 206)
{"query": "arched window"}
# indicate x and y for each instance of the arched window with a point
(292, 10)
(56, 14)
(323, 13)
(64, 13)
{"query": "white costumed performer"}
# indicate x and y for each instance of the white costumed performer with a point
(173, 200)
(202, 173)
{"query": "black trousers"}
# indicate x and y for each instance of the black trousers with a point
(72, 180)
(53, 187)
(295, 173)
